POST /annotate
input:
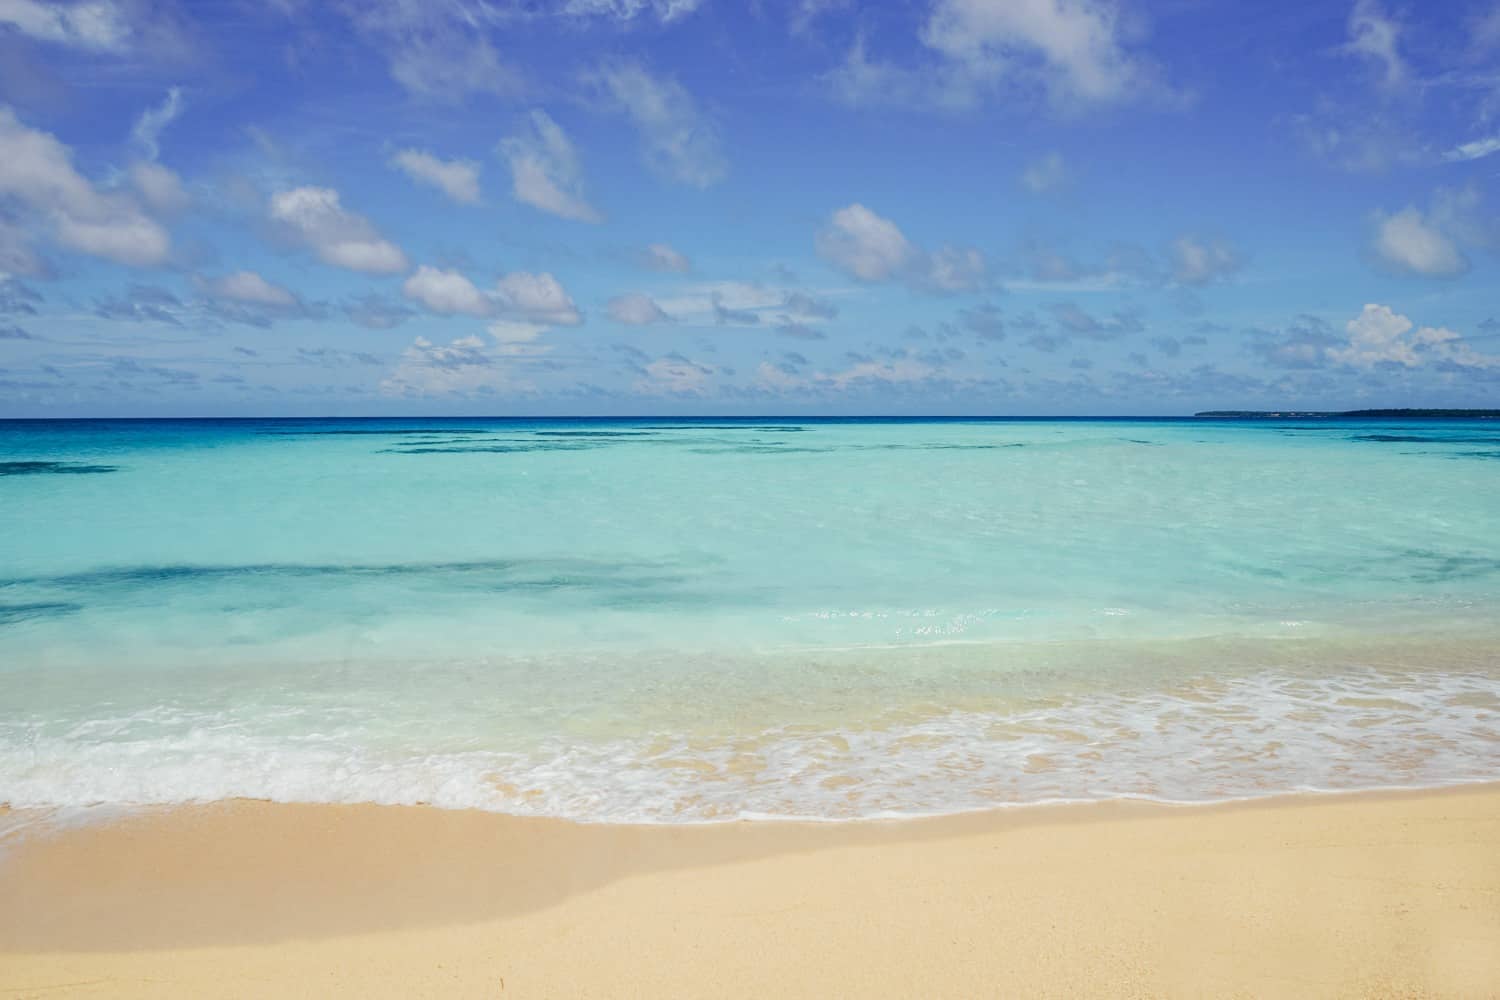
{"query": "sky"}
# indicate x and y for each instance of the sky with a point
(616, 207)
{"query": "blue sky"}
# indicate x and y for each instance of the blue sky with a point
(696, 206)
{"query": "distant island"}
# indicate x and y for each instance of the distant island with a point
(1329, 414)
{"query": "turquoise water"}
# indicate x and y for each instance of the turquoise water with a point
(684, 620)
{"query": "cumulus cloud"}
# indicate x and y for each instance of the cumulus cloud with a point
(315, 217)
(636, 309)
(446, 292)
(159, 187)
(661, 257)
(1379, 336)
(458, 179)
(96, 25)
(536, 298)
(1078, 53)
(1048, 173)
(1075, 46)
(545, 171)
(956, 269)
(1410, 242)
(872, 248)
(865, 245)
(678, 140)
(37, 170)
(247, 297)
(249, 287)
(1198, 261)
(459, 367)
(533, 299)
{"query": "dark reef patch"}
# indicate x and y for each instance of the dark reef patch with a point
(769, 429)
(434, 431)
(12, 614)
(494, 574)
(1429, 438)
(760, 449)
(54, 469)
(495, 449)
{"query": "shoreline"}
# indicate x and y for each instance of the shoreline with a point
(1345, 893)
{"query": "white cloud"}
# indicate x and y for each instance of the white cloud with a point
(37, 170)
(518, 338)
(458, 179)
(661, 257)
(865, 245)
(438, 50)
(956, 269)
(666, 11)
(159, 187)
(872, 248)
(1048, 173)
(93, 24)
(532, 300)
(1381, 336)
(450, 67)
(446, 292)
(1074, 47)
(865, 372)
(1476, 150)
(1410, 242)
(545, 172)
(675, 375)
(636, 309)
(680, 142)
(537, 298)
(315, 217)
(1375, 37)
(860, 81)
(250, 288)
(460, 367)
(1201, 262)
(146, 133)
(731, 303)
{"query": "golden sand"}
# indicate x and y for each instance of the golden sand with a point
(1368, 895)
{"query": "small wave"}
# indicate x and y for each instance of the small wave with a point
(1197, 741)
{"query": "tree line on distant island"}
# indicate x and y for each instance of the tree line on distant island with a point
(1305, 414)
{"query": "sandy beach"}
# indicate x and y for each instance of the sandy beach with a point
(1360, 895)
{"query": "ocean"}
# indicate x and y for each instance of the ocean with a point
(670, 620)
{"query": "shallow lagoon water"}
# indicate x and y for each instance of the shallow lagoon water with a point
(669, 620)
